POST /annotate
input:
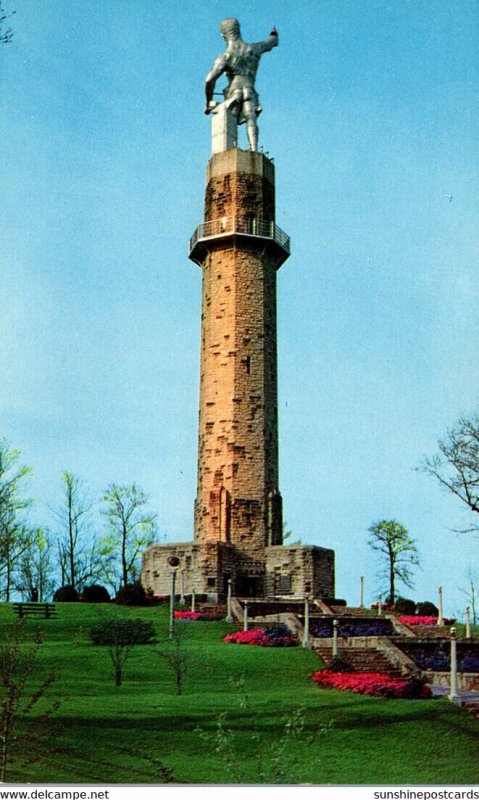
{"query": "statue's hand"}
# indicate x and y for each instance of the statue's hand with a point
(210, 106)
(274, 32)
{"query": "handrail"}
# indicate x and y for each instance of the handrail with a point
(224, 226)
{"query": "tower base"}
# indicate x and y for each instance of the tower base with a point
(293, 570)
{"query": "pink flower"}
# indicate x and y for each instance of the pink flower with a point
(418, 620)
(371, 683)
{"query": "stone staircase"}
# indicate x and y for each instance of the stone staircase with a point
(349, 611)
(362, 659)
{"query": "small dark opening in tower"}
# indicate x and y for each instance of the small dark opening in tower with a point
(247, 362)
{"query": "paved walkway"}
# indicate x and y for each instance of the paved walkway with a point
(443, 691)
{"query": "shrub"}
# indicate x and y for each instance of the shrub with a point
(404, 606)
(95, 594)
(427, 609)
(66, 594)
(133, 594)
(124, 632)
(339, 664)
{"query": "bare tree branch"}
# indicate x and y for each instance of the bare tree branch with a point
(456, 466)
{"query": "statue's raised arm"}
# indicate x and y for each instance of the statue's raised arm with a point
(239, 63)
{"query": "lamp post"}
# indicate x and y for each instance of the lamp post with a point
(380, 605)
(335, 637)
(361, 593)
(182, 595)
(306, 639)
(229, 610)
(468, 623)
(440, 619)
(174, 564)
(453, 695)
(245, 616)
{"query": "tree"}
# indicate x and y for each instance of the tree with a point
(76, 548)
(130, 531)
(456, 466)
(23, 738)
(120, 635)
(392, 540)
(472, 592)
(177, 658)
(15, 534)
(5, 35)
(36, 567)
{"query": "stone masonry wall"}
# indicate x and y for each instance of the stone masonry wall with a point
(238, 426)
(294, 570)
(203, 568)
(309, 568)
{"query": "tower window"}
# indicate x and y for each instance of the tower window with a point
(284, 584)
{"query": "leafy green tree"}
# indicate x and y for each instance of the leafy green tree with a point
(456, 465)
(15, 533)
(130, 530)
(399, 552)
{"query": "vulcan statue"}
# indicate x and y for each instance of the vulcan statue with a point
(239, 63)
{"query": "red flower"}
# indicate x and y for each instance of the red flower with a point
(255, 637)
(418, 620)
(262, 638)
(371, 683)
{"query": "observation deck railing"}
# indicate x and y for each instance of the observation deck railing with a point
(226, 226)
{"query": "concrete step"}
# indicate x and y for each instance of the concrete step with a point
(362, 660)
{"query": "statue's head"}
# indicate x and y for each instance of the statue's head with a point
(230, 27)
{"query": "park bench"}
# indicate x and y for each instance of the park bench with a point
(46, 610)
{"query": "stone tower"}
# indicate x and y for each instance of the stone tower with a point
(239, 248)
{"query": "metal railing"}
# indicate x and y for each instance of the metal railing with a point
(224, 226)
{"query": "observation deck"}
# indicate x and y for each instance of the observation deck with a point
(265, 232)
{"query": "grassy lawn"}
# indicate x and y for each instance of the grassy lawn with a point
(109, 734)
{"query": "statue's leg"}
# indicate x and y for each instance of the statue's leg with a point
(251, 126)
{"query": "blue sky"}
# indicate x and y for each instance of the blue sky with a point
(370, 113)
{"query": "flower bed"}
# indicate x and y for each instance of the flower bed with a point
(470, 663)
(263, 637)
(323, 628)
(421, 620)
(202, 616)
(440, 662)
(373, 683)
(431, 661)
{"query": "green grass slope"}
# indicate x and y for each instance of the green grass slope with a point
(246, 715)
